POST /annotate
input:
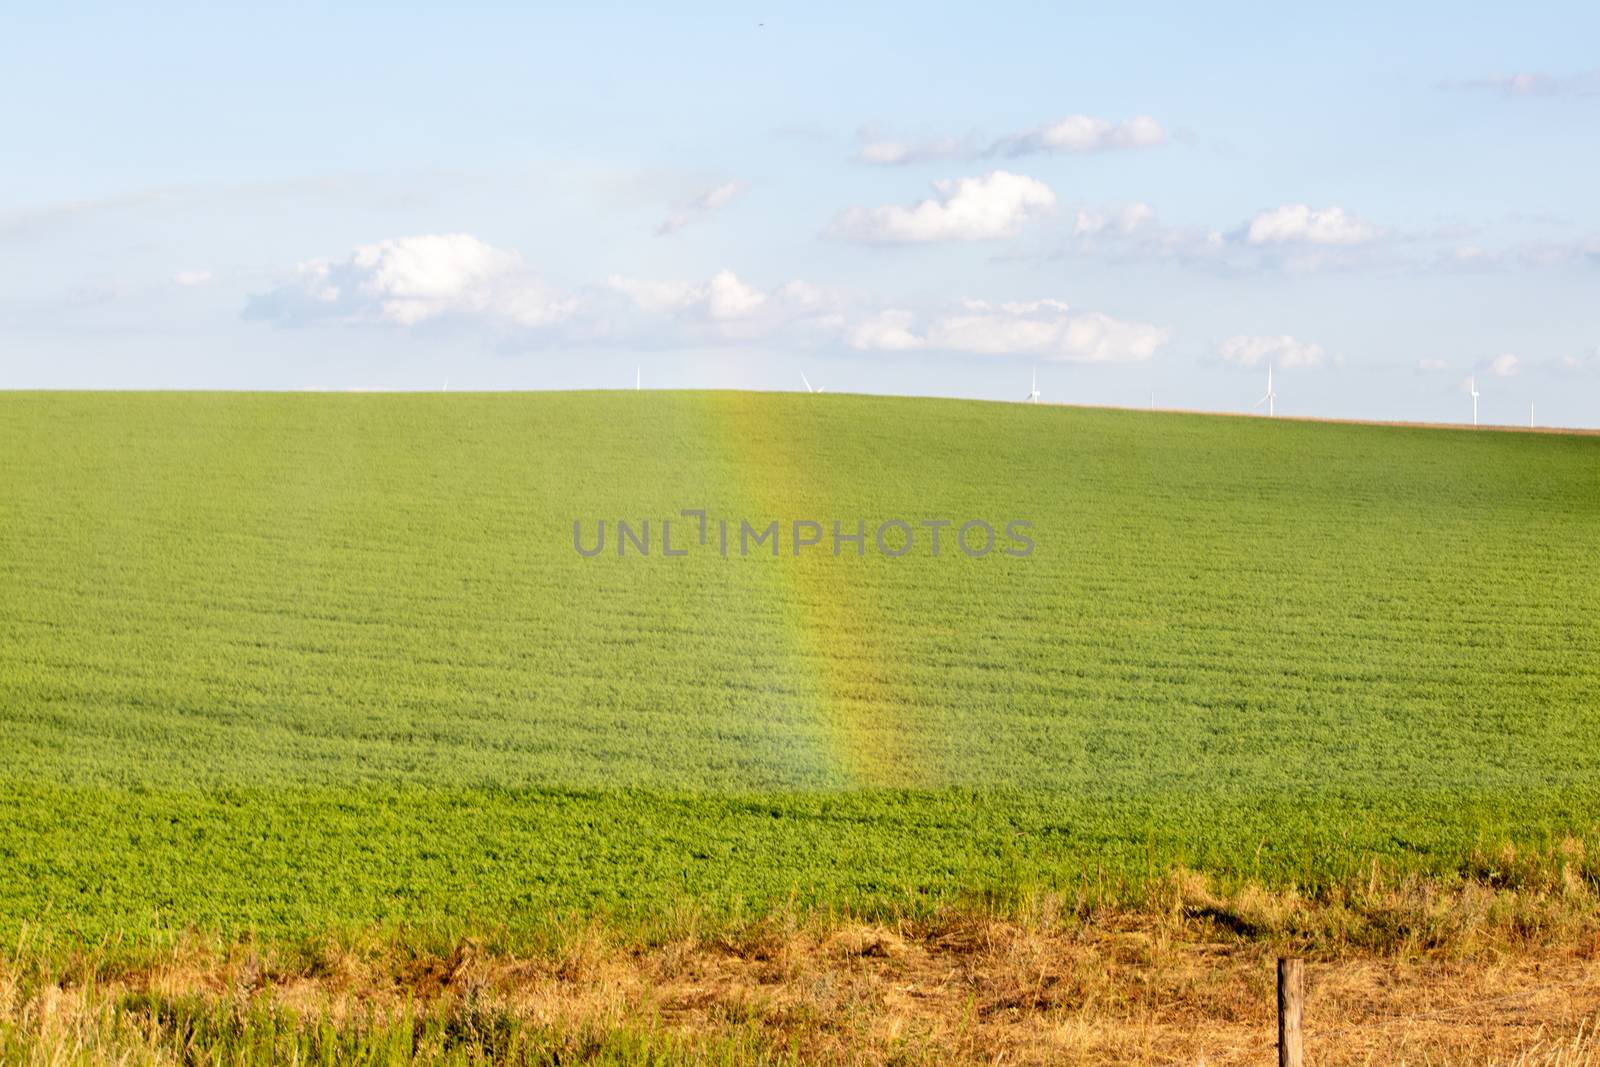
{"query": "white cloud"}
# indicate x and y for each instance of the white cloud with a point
(724, 309)
(1586, 361)
(1283, 351)
(1299, 223)
(1505, 365)
(1530, 84)
(1040, 329)
(806, 295)
(406, 281)
(1083, 133)
(1075, 133)
(1296, 238)
(1123, 220)
(412, 282)
(1293, 238)
(888, 152)
(656, 297)
(887, 331)
(1132, 232)
(191, 277)
(993, 206)
(723, 297)
(1582, 251)
(729, 298)
(1515, 84)
(699, 206)
(1525, 84)
(1433, 364)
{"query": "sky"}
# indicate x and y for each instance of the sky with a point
(1141, 207)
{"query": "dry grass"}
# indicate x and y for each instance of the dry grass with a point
(1409, 973)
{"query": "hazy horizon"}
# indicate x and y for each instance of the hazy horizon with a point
(1381, 206)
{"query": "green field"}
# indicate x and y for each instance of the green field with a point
(294, 662)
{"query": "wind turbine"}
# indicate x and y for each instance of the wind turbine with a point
(637, 374)
(1271, 399)
(803, 378)
(1033, 394)
(1530, 414)
(1472, 387)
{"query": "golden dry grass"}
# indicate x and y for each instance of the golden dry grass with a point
(1469, 975)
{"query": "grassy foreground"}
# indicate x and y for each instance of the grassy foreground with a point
(1400, 971)
(280, 664)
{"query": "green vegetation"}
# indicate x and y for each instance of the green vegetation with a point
(145, 1030)
(286, 663)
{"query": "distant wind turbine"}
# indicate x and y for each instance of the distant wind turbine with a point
(803, 378)
(1530, 414)
(1033, 394)
(1271, 399)
(1472, 387)
(637, 375)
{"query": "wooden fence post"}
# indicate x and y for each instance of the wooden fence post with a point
(1291, 972)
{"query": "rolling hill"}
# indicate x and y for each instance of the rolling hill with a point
(287, 662)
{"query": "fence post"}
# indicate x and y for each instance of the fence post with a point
(1290, 999)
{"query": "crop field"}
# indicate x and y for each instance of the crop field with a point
(281, 664)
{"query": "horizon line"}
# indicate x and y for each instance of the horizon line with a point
(1205, 412)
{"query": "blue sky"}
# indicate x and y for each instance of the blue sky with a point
(1379, 201)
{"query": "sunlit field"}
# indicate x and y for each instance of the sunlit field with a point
(281, 664)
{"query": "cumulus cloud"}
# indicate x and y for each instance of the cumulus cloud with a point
(457, 278)
(191, 277)
(1293, 238)
(700, 206)
(416, 282)
(1083, 133)
(406, 281)
(1075, 133)
(1299, 223)
(889, 330)
(724, 309)
(1505, 365)
(1039, 329)
(721, 298)
(656, 297)
(1282, 350)
(993, 206)
(729, 298)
